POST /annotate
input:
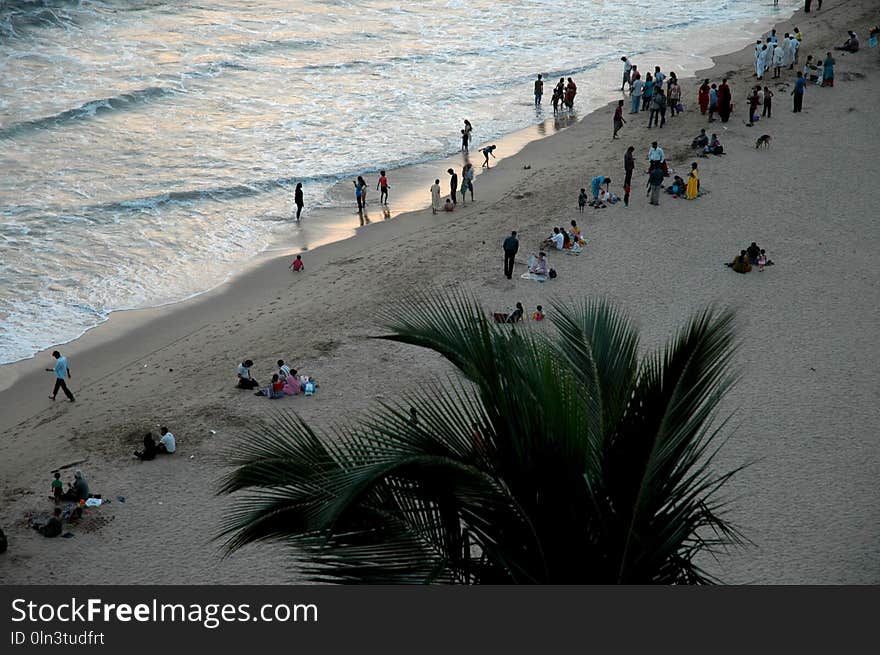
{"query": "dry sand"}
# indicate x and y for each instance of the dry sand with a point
(806, 408)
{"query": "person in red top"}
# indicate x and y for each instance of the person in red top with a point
(297, 264)
(382, 186)
(703, 96)
(618, 118)
(570, 93)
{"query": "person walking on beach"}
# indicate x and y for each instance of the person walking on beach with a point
(62, 373)
(724, 101)
(359, 187)
(798, 92)
(511, 247)
(382, 186)
(435, 197)
(539, 90)
(298, 199)
(453, 185)
(655, 182)
(618, 118)
(629, 165)
(488, 150)
(627, 71)
(636, 93)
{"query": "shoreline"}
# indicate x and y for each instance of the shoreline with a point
(810, 500)
(330, 223)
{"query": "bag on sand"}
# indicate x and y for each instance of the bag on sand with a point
(552, 273)
(872, 42)
(679, 107)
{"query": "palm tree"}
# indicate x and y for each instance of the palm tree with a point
(550, 459)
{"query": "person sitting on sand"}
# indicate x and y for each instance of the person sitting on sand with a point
(555, 240)
(79, 489)
(167, 444)
(762, 261)
(52, 527)
(245, 381)
(575, 232)
(283, 370)
(516, 315)
(291, 384)
(540, 265)
(607, 197)
(677, 187)
(448, 206)
(700, 141)
(741, 263)
(57, 487)
(297, 264)
(851, 44)
(714, 147)
(753, 251)
(538, 314)
(274, 390)
(149, 451)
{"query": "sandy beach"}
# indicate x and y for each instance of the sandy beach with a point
(805, 409)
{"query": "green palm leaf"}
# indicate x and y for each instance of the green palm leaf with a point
(551, 460)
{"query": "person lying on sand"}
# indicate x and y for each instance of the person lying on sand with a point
(51, 527)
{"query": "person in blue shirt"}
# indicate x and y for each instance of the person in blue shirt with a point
(596, 185)
(798, 92)
(62, 372)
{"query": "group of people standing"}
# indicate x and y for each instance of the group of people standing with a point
(656, 94)
(564, 92)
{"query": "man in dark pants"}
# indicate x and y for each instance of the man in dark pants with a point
(62, 371)
(629, 165)
(511, 246)
(453, 185)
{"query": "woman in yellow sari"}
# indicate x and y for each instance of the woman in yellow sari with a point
(693, 183)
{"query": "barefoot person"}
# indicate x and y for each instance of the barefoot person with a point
(62, 373)
(382, 186)
(298, 199)
(488, 150)
(435, 197)
(453, 185)
(511, 247)
(618, 119)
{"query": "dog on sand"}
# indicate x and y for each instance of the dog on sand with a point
(763, 140)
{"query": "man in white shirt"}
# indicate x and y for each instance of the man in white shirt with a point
(557, 238)
(245, 381)
(166, 444)
(656, 158)
(627, 69)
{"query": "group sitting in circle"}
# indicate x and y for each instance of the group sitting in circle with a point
(751, 256)
(283, 383)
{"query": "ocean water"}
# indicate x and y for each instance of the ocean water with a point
(148, 149)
